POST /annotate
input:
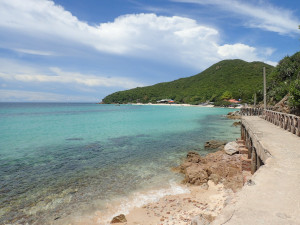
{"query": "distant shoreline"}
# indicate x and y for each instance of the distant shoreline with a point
(208, 106)
(187, 105)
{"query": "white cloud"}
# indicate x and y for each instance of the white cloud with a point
(259, 14)
(33, 52)
(271, 63)
(13, 71)
(173, 39)
(31, 96)
(237, 50)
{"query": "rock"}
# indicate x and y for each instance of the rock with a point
(199, 220)
(231, 148)
(119, 219)
(205, 186)
(215, 178)
(193, 157)
(283, 105)
(214, 144)
(237, 123)
(234, 115)
(217, 166)
(195, 174)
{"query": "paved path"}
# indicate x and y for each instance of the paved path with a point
(274, 196)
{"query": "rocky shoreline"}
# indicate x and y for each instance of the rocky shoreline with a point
(213, 181)
(218, 167)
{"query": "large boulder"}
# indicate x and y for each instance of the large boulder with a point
(231, 148)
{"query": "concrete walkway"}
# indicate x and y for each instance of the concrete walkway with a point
(273, 196)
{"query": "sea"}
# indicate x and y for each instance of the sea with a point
(72, 160)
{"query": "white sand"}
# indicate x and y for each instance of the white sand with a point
(169, 210)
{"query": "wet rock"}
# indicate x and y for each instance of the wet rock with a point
(193, 157)
(231, 148)
(238, 123)
(74, 139)
(214, 144)
(119, 219)
(234, 115)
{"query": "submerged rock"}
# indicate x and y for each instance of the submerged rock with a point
(214, 144)
(238, 123)
(119, 219)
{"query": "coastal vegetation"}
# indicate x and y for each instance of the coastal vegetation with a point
(285, 80)
(224, 80)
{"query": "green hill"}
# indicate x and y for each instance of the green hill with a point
(235, 78)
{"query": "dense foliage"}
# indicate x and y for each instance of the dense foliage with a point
(226, 79)
(285, 79)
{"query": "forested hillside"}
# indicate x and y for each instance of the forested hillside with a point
(226, 79)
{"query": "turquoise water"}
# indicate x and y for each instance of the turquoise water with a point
(60, 159)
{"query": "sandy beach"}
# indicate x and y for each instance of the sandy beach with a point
(181, 209)
(176, 209)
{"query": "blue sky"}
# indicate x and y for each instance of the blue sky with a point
(81, 51)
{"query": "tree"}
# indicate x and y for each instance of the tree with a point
(226, 95)
(295, 93)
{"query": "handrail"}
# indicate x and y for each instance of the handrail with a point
(286, 121)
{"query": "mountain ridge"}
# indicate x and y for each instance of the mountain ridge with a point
(238, 78)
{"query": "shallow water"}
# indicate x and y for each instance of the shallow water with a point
(60, 159)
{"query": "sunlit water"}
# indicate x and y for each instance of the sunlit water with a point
(59, 160)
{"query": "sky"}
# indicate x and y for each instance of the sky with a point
(81, 51)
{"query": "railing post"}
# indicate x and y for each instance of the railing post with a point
(298, 127)
(253, 161)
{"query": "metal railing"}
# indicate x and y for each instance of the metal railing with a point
(286, 121)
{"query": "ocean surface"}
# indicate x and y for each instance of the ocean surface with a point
(60, 160)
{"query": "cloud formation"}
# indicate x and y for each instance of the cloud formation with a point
(69, 77)
(171, 39)
(33, 52)
(13, 71)
(258, 14)
(32, 96)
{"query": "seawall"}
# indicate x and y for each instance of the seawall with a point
(272, 196)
